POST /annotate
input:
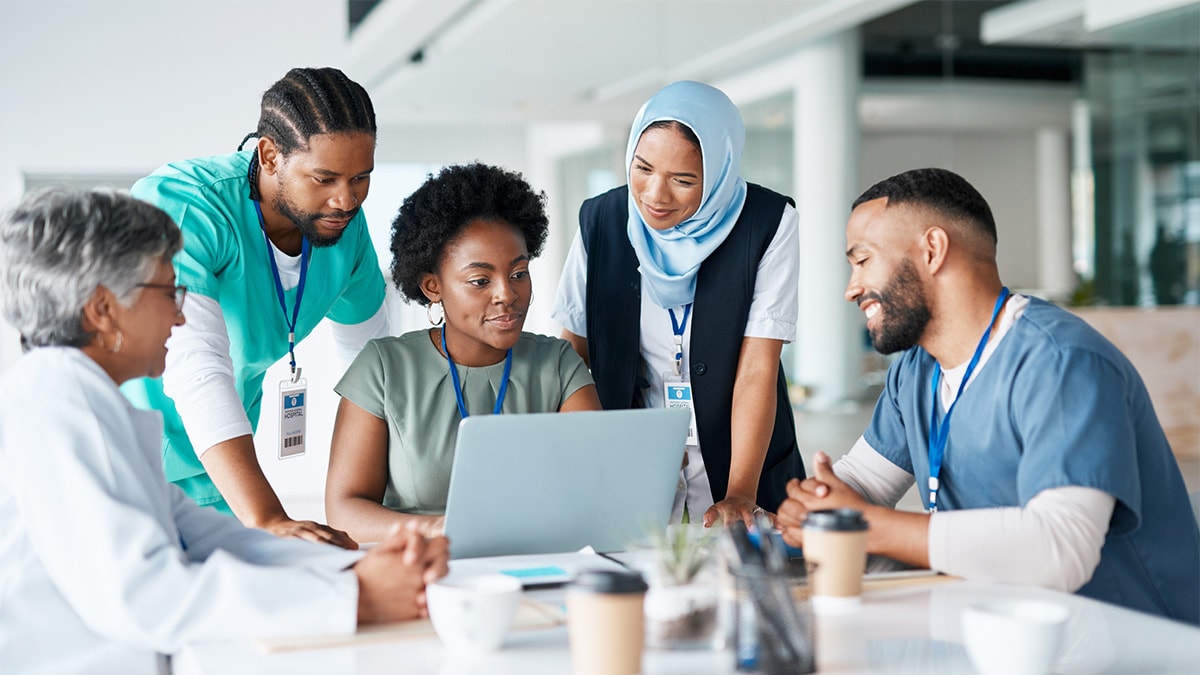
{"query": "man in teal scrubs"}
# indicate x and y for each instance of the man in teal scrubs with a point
(274, 241)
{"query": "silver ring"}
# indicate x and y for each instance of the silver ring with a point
(758, 510)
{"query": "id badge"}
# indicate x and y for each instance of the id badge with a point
(291, 417)
(678, 394)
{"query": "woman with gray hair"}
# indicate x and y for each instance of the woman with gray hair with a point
(104, 566)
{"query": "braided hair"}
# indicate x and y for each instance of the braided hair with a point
(308, 102)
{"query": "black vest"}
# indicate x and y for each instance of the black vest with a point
(724, 291)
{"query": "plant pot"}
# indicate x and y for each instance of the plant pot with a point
(685, 616)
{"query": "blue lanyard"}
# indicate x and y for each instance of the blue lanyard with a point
(291, 323)
(938, 435)
(678, 327)
(462, 406)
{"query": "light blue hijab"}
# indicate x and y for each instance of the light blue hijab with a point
(670, 259)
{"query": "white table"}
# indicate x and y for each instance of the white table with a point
(902, 627)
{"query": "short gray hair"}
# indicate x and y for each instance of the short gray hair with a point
(58, 246)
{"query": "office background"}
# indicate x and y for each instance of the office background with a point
(1079, 120)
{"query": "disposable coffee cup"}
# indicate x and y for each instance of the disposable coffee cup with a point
(835, 552)
(605, 622)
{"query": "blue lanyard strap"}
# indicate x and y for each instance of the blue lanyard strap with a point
(291, 322)
(677, 327)
(939, 434)
(462, 406)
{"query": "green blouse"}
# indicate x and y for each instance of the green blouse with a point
(406, 381)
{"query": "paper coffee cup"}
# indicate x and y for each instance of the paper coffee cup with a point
(605, 622)
(835, 552)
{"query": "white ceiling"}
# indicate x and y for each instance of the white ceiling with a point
(503, 62)
(1155, 24)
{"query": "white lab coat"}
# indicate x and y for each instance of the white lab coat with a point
(104, 565)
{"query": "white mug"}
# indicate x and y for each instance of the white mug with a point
(1013, 636)
(473, 613)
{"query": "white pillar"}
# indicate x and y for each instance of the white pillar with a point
(1083, 224)
(1055, 275)
(828, 351)
(545, 144)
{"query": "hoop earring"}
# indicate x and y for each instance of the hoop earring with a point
(117, 346)
(441, 313)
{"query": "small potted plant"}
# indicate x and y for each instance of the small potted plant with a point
(682, 603)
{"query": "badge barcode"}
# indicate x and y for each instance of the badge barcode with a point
(292, 441)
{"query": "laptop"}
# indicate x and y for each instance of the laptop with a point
(558, 482)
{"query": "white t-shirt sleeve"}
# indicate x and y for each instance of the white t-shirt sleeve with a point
(199, 376)
(776, 303)
(1054, 541)
(872, 475)
(570, 308)
(351, 338)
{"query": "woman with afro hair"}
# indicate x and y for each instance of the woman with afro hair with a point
(461, 246)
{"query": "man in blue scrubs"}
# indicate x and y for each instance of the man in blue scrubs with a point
(1031, 439)
(274, 242)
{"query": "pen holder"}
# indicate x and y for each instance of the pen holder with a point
(774, 625)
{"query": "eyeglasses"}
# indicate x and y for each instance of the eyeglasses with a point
(180, 292)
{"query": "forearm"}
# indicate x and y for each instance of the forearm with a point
(753, 414)
(204, 531)
(751, 424)
(233, 467)
(367, 520)
(1053, 541)
(899, 535)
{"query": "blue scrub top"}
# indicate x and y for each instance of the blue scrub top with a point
(1058, 405)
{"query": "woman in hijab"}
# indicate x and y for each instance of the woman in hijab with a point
(105, 567)
(680, 289)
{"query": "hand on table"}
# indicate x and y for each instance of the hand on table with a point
(393, 574)
(307, 529)
(734, 508)
(822, 491)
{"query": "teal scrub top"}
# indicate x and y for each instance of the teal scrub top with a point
(224, 257)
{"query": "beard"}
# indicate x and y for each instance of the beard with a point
(905, 311)
(306, 221)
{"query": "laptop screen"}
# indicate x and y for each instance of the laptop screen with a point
(557, 482)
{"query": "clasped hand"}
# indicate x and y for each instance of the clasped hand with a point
(393, 574)
(824, 490)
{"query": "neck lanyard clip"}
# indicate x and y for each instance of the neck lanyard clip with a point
(678, 327)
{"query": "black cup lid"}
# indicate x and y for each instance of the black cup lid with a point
(839, 520)
(608, 581)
